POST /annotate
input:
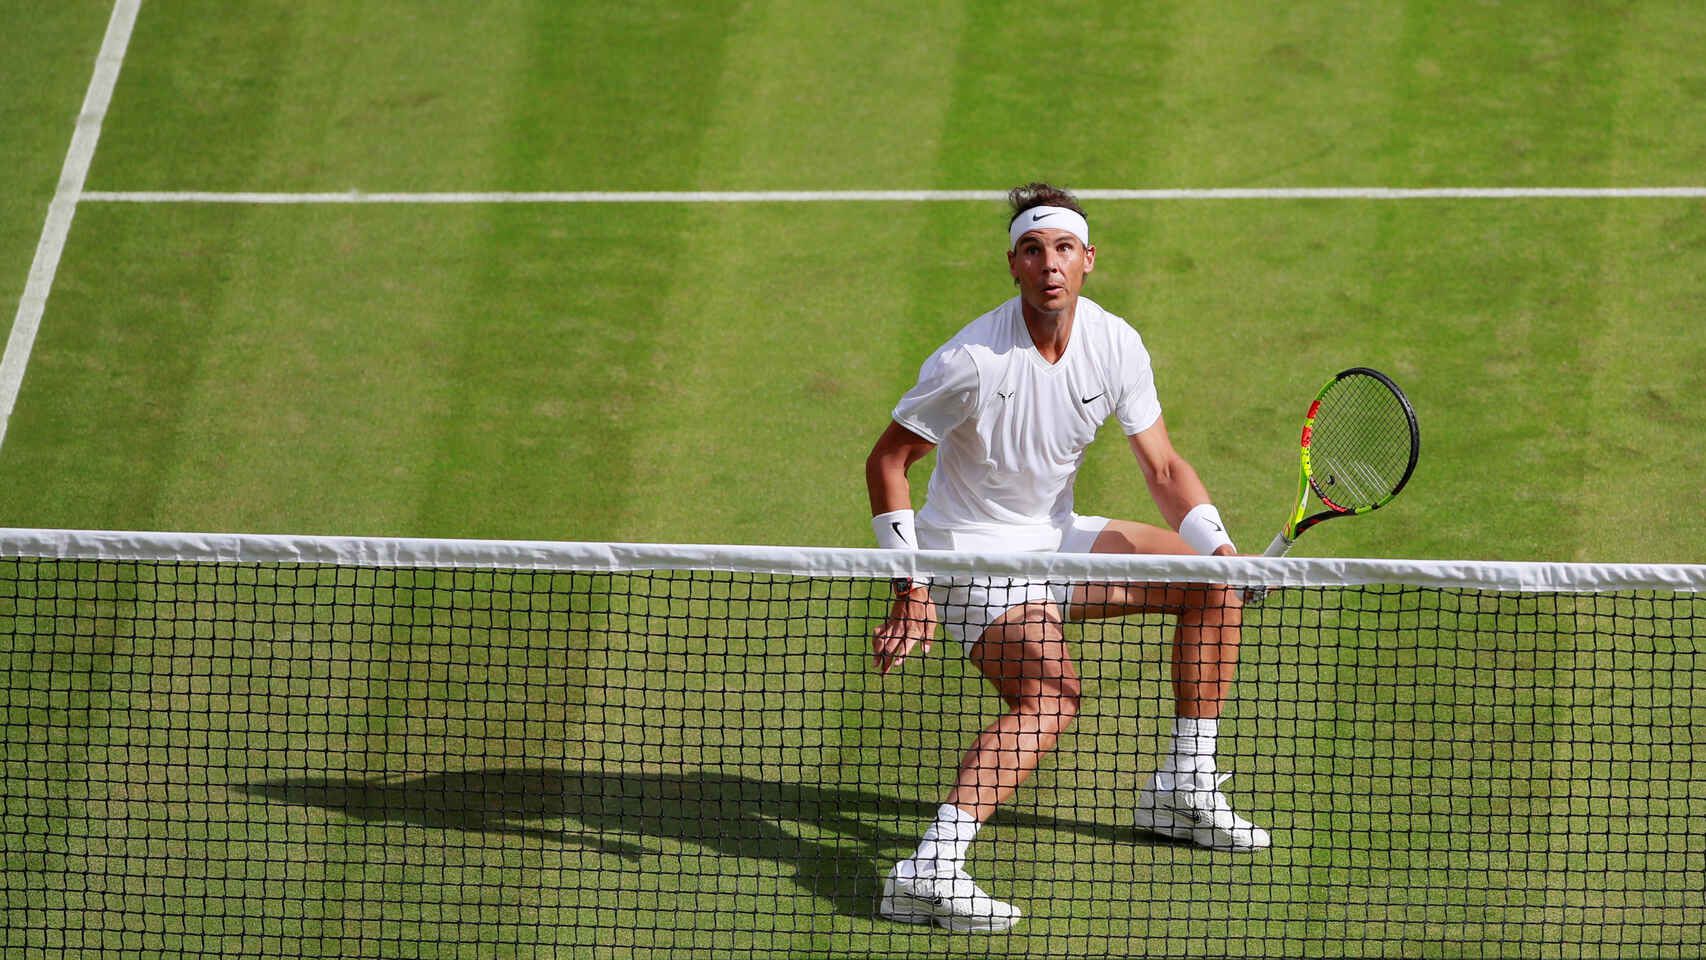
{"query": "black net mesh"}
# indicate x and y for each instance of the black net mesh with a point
(266, 760)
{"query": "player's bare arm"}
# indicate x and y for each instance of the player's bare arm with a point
(912, 617)
(1172, 482)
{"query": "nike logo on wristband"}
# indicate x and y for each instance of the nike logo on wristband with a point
(1217, 527)
(895, 525)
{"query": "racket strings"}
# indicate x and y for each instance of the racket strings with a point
(1360, 445)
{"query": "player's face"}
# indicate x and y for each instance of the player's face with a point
(1050, 266)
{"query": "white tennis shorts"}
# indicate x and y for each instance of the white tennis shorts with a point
(968, 605)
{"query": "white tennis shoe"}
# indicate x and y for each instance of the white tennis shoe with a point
(1200, 813)
(950, 900)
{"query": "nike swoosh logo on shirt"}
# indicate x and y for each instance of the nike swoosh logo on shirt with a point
(1089, 399)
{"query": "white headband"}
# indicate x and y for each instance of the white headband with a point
(1048, 218)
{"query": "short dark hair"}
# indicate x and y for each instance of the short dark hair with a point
(1038, 194)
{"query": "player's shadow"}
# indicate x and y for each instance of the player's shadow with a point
(837, 841)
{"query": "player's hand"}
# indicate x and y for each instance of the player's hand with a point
(911, 620)
(1250, 595)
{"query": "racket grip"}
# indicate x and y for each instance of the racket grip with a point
(1253, 596)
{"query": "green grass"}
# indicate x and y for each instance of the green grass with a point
(717, 373)
(49, 53)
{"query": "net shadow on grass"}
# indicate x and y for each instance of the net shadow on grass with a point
(837, 841)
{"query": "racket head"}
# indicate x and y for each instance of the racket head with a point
(1360, 445)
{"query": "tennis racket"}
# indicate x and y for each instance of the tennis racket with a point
(1360, 445)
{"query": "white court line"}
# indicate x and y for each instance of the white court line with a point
(64, 206)
(908, 196)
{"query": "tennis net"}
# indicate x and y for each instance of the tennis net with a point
(221, 745)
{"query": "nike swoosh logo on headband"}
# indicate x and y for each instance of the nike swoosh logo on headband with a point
(1038, 216)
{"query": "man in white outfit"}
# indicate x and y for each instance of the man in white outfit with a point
(1010, 403)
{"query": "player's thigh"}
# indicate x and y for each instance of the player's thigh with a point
(1097, 601)
(1129, 536)
(1024, 655)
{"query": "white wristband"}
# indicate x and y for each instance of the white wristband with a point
(894, 530)
(1203, 530)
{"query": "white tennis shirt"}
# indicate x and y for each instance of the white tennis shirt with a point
(1011, 428)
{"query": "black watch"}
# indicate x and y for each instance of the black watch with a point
(902, 586)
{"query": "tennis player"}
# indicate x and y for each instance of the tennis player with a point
(1010, 403)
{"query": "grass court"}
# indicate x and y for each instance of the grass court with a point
(716, 373)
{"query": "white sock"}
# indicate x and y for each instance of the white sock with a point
(943, 849)
(1190, 764)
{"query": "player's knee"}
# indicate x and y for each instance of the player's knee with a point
(1071, 698)
(1054, 704)
(1062, 699)
(1229, 601)
(1214, 605)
